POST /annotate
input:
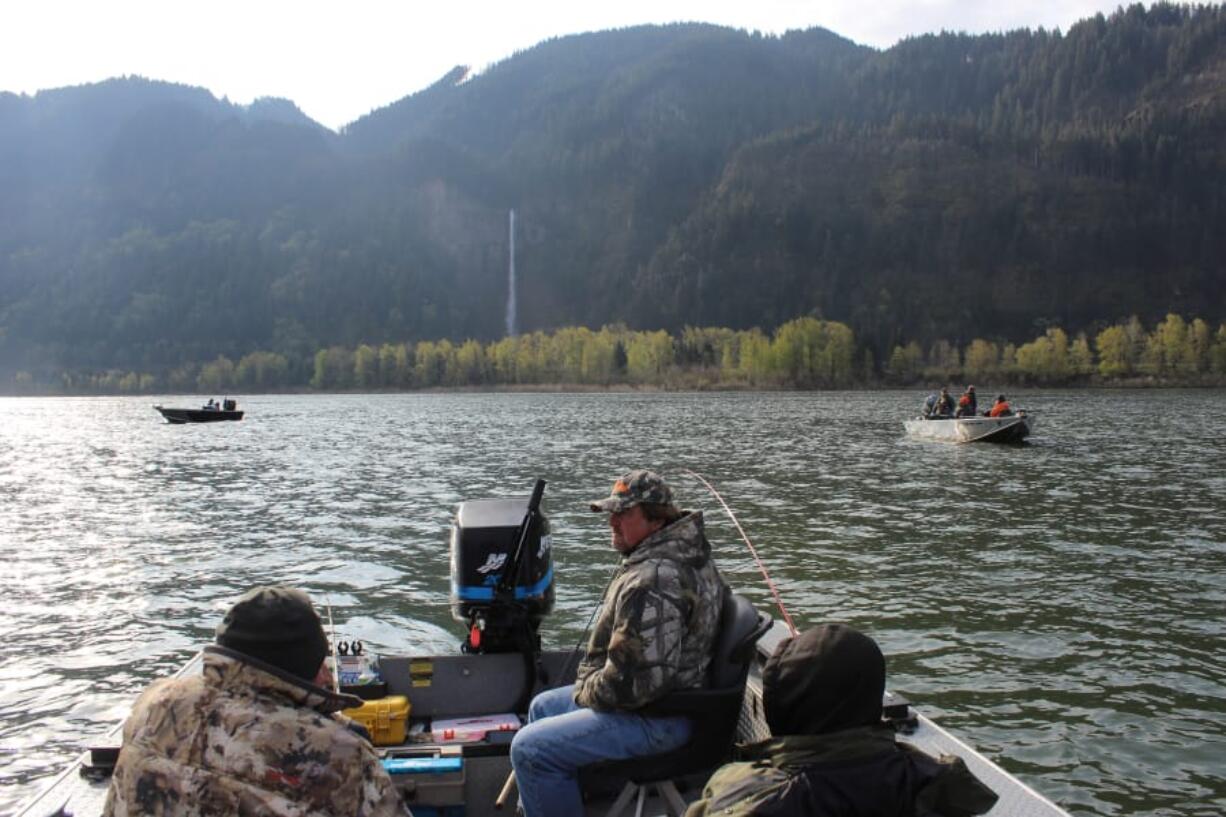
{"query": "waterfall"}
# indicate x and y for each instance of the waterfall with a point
(511, 328)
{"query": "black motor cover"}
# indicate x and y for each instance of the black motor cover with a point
(484, 535)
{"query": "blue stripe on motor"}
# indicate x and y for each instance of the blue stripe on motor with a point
(471, 593)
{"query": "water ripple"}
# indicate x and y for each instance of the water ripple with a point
(1059, 605)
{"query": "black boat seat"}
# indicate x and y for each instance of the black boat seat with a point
(714, 711)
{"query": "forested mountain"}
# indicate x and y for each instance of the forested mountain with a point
(950, 187)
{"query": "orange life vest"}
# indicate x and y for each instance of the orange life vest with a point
(999, 409)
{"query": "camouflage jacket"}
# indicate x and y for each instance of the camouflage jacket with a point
(858, 772)
(657, 626)
(243, 738)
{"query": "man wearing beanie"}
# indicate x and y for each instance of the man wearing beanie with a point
(256, 732)
(831, 753)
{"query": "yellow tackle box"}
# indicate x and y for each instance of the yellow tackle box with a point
(384, 718)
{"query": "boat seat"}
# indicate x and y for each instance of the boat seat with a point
(714, 710)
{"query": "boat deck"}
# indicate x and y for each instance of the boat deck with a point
(459, 685)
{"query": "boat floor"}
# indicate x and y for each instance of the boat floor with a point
(449, 686)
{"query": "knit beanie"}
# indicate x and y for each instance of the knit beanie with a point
(279, 626)
(826, 679)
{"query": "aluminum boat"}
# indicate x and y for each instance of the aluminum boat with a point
(500, 665)
(1011, 429)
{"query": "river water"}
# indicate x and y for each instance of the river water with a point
(1059, 605)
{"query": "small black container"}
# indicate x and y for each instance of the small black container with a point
(367, 692)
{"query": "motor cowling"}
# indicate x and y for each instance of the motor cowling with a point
(502, 614)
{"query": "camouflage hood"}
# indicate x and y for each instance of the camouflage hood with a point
(683, 541)
(241, 675)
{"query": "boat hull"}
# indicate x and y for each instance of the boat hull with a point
(1012, 429)
(179, 416)
(461, 684)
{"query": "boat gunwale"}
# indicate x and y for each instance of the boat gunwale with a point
(1017, 797)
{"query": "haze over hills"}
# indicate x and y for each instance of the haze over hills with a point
(950, 187)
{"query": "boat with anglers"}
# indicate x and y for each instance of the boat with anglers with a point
(1012, 428)
(443, 724)
(211, 412)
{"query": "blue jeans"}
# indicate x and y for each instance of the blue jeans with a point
(561, 737)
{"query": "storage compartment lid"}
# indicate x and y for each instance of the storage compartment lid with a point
(423, 765)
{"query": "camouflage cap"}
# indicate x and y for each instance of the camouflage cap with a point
(635, 488)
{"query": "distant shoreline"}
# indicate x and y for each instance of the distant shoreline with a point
(1135, 384)
(802, 354)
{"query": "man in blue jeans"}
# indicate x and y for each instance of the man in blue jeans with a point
(655, 634)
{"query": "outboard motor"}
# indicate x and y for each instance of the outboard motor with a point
(502, 573)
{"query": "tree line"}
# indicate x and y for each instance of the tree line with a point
(804, 353)
(1174, 352)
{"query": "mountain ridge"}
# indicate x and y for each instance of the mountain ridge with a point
(953, 186)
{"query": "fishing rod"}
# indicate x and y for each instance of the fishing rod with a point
(572, 659)
(506, 582)
(336, 661)
(510, 785)
(787, 617)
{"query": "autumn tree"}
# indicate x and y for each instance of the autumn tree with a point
(811, 352)
(365, 367)
(905, 363)
(262, 370)
(1201, 338)
(470, 363)
(333, 369)
(648, 356)
(1169, 349)
(982, 360)
(217, 375)
(1114, 352)
(1217, 353)
(944, 362)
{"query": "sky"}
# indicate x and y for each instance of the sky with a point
(340, 59)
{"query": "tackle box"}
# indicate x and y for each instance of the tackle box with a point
(384, 718)
(429, 782)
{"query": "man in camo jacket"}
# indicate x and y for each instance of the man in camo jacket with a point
(256, 732)
(655, 634)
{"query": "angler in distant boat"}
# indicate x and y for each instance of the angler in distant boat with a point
(655, 634)
(938, 406)
(1000, 408)
(830, 752)
(945, 403)
(968, 405)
